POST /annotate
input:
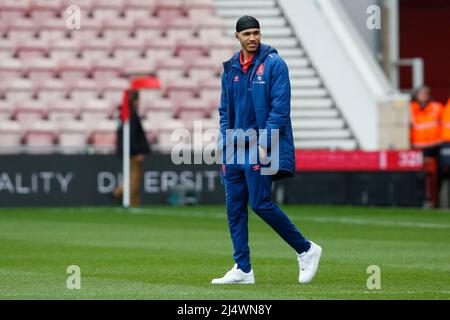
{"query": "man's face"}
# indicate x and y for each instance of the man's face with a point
(249, 39)
(423, 95)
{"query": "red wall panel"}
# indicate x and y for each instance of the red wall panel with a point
(425, 32)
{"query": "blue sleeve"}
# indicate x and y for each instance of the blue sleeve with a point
(280, 101)
(223, 113)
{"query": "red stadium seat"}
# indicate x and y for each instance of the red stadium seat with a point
(170, 10)
(165, 130)
(11, 10)
(52, 29)
(31, 48)
(10, 137)
(103, 137)
(45, 9)
(6, 110)
(64, 49)
(19, 90)
(113, 90)
(158, 109)
(84, 5)
(73, 137)
(133, 14)
(117, 28)
(192, 109)
(149, 29)
(94, 49)
(203, 68)
(128, 48)
(91, 29)
(46, 5)
(95, 110)
(40, 69)
(180, 29)
(11, 69)
(106, 69)
(109, 9)
(29, 111)
(222, 49)
(7, 49)
(211, 23)
(84, 90)
(210, 89)
(40, 137)
(51, 89)
(170, 69)
(140, 4)
(200, 4)
(159, 48)
(199, 9)
(179, 90)
(139, 66)
(62, 110)
(74, 69)
(21, 29)
(190, 48)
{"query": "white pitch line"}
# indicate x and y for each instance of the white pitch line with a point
(223, 215)
(343, 220)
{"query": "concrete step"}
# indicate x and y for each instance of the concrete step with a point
(316, 124)
(281, 42)
(311, 103)
(300, 135)
(297, 62)
(297, 83)
(312, 113)
(301, 72)
(309, 93)
(290, 52)
(349, 144)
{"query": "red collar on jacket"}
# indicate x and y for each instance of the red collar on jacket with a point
(245, 64)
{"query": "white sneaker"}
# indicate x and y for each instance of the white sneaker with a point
(236, 275)
(308, 263)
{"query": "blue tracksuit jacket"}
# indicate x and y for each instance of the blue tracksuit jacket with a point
(258, 99)
(270, 98)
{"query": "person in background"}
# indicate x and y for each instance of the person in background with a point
(426, 122)
(444, 159)
(139, 148)
(445, 123)
(426, 135)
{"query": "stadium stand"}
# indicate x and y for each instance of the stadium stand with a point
(56, 83)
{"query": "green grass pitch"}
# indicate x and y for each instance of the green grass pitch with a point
(162, 252)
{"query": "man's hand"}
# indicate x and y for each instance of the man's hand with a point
(262, 152)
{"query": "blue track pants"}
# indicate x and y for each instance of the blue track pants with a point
(244, 184)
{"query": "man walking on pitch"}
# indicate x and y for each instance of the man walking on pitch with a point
(256, 95)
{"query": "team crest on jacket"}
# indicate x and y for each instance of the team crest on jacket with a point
(236, 78)
(260, 70)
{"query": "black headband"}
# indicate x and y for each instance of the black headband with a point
(246, 22)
